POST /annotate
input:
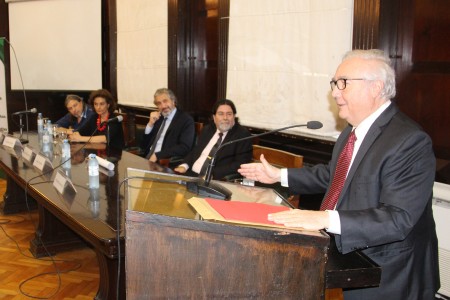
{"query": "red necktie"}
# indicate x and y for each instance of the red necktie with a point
(340, 174)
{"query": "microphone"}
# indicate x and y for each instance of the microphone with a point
(313, 125)
(204, 187)
(23, 112)
(115, 119)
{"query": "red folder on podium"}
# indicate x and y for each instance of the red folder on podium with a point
(236, 211)
(245, 211)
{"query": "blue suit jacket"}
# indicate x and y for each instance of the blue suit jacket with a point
(385, 207)
(69, 121)
(179, 138)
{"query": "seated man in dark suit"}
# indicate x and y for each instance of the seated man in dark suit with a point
(170, 132)
(229, 158)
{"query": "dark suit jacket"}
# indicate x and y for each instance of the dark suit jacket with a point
(228, 158)
(115, 137)
(69, 121)
(385, 206)
(179, 138)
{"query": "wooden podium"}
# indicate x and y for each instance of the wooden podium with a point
(172, 254)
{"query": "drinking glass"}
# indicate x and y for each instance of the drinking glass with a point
(55, 133)
(62, 135)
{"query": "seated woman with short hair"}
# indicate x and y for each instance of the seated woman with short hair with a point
(96, 129)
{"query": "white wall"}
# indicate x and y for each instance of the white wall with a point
(142, 50)
(282, 55)
(441, 212)
(57, 43)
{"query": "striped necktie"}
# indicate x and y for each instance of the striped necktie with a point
(340, 174)
(158, 135)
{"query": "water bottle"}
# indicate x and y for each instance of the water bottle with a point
(93, 172)
(50, 127)
(47, 146)
(40, 123)
(65, 154)
(45, 138)
(94, 202)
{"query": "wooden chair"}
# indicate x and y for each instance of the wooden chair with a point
(277, 157)
(128, 127)
(281, 159)
(130, 132)
(198, 129)
(175, 161)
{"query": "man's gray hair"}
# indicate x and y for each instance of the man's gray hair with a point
(384, 73)
(168, 92)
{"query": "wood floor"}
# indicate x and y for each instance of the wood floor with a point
(18, 267)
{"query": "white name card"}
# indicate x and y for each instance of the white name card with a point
(28, 154)
(39, 162)
(11, 142)
(62, 183)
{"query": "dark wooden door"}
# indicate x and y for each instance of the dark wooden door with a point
(194, 76)
(420, 48)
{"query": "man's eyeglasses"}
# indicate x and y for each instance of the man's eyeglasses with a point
(342, 83)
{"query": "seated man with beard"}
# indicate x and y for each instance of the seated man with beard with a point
(170, 132)
(222, 130)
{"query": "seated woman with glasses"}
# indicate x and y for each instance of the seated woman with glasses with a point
(97, 130)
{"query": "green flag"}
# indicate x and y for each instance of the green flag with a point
(2, 50)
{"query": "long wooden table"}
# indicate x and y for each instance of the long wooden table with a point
(69, 222)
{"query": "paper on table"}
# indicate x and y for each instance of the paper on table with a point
(236, 212)
(105, 164)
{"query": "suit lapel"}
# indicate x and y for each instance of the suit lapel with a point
(174, 121)
(375, 130)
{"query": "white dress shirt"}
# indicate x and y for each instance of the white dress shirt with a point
(149, 129)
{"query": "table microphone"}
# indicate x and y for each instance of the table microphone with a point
(20, 114)
(115, 119)
(23, 112)
(213, 190)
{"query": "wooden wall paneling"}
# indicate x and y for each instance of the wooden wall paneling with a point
(175, 41)
(204, 59)
(366, 24)
(423, 68)
(224, 21)
(388, 29)
(109, 48)
(193, 54)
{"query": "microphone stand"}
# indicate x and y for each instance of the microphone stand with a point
(23, 141)
(109, 158)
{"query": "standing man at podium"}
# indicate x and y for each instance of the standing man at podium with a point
(378, 185)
